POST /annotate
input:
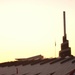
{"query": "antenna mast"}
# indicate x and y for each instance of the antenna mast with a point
(64, 23)
(65, 49)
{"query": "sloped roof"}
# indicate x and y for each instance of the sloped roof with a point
(45, 66)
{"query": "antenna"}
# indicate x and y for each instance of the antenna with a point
(55, 49)
(64, 23)
(65, 49)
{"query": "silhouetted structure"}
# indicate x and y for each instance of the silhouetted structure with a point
(65, 49)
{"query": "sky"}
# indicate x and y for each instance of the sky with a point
(31, 27)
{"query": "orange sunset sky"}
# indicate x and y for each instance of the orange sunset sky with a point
(31, 27)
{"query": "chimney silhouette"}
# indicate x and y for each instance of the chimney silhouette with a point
(65, 49)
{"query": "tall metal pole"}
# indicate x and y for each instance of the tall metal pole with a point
(64, 23)
(55, 49)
